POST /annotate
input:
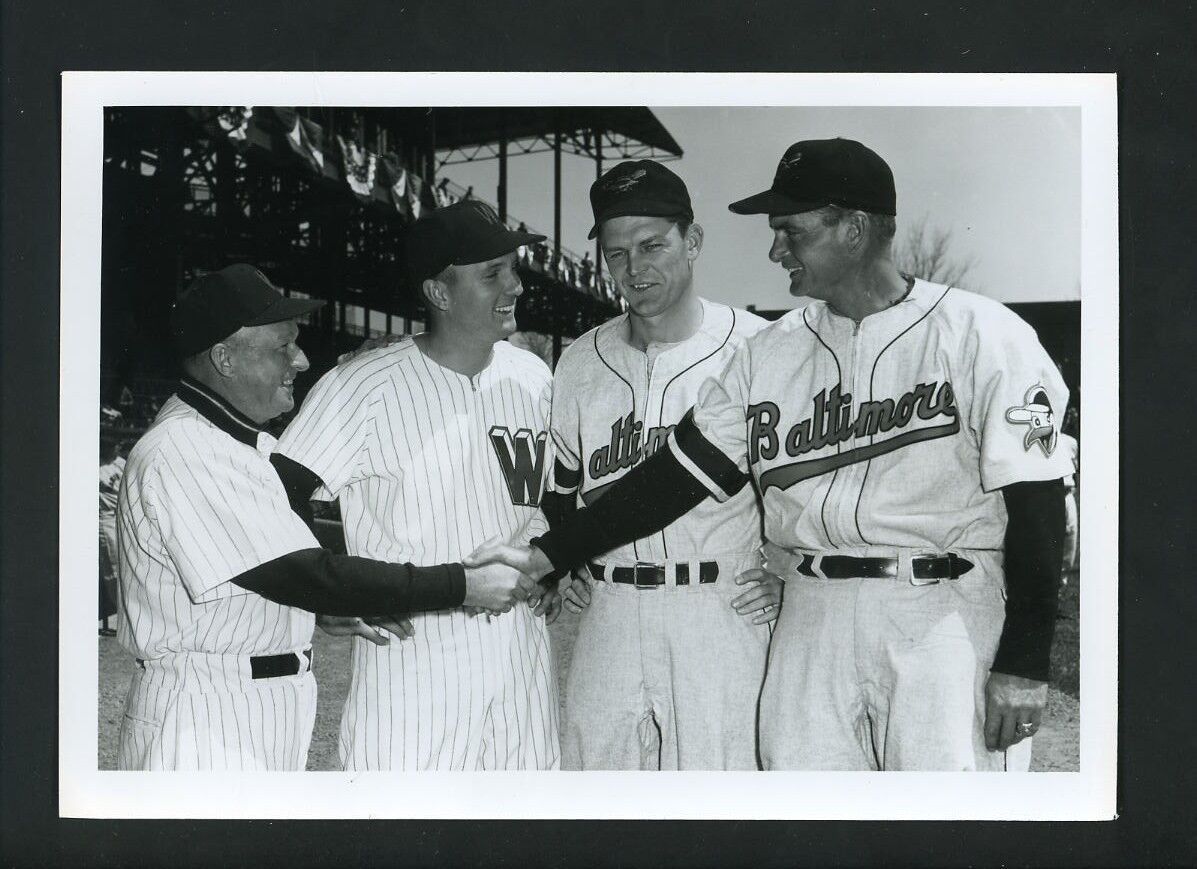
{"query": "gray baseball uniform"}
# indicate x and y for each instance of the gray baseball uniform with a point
(665, 676)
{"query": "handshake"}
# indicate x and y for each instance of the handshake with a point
(498, 576)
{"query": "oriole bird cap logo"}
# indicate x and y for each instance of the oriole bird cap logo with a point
(619, 185)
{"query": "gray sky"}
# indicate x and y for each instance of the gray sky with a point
(1004, 181)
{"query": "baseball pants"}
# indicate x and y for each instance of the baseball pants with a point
(665, 677)
(192, 711)
(464, 693)
(883, 674)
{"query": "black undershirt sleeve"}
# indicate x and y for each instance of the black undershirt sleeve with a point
(1034, 550)
(300, 483)
(649, 497)
(558, 508)
(345, 585)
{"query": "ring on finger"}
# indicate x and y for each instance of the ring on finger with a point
(1025, 728)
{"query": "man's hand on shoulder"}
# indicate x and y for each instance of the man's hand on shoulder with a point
(371, 344)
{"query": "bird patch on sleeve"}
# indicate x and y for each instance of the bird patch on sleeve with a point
(1036, 414)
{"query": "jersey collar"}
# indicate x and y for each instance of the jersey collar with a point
(219, 412)
(716, 324)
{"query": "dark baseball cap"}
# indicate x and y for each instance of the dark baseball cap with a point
(640, 187)
(460, 234)
(217, 304)
(821, 172)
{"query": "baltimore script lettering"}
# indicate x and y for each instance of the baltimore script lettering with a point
(831, 422)
(626, 449)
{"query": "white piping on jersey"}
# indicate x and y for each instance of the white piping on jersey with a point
(872, 376)
(851, 367)
(613, 331)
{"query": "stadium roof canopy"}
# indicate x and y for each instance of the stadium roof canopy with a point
(465, 134)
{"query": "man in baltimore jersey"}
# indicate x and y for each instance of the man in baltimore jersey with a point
(218, 577)
(433, 446)
(670, 654)
(903, 437)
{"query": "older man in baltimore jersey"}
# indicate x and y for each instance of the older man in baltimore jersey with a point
(903, 437)
(670, 654)
(217, 574)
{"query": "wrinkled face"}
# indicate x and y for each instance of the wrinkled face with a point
(810, 251)
(266, 360)
(482, 297)
(651, 261)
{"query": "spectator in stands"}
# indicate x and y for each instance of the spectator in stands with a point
(112, 466)
(126, 402)
(586, 271)
(522, 251)
(540, 255)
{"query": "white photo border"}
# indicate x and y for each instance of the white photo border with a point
(85, 791)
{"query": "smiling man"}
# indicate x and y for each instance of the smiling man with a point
(902, 435)
(671, 649)
(434, 445)
(218, 576)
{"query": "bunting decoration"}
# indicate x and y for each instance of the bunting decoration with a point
(361, 167)
(396, 183)
(305, 138)
(234, 122)
(415, 189)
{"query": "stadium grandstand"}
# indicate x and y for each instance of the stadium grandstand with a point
(318, 197)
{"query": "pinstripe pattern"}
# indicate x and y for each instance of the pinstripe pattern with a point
(404, 445)
(198, 507)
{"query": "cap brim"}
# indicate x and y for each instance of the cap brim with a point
(639, 209)
(497, 245)
(286, 309)
(772, 202)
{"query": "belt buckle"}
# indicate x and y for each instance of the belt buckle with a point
(648, 567)
(918, 581)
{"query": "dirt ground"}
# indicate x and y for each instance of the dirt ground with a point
(1055, 748)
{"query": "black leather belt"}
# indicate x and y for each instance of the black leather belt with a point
(932, 567)
(270, 666)
(653, 575)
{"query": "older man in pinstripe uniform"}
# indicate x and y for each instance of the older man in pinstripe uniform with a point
(217, 574)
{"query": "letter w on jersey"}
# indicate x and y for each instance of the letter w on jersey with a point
(521, 458)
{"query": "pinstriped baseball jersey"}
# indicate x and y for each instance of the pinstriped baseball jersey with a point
(427, 464)
(614, 406)
(897, 431)
(200, 504)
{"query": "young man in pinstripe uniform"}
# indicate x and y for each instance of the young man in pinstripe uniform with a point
(433, 446)
(217, 574)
